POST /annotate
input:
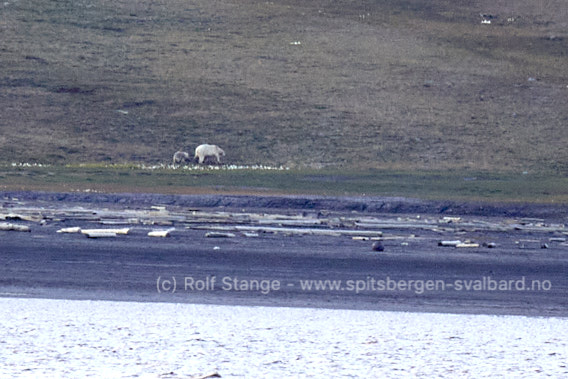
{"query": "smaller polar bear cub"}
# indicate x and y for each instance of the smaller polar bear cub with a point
(180, 156)
(204, 151)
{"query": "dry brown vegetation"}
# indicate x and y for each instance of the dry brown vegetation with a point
(368, 84)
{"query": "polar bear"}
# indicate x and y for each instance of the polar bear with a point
(205, 150)
(180, 156)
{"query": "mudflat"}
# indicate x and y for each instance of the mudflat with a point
(301, 251)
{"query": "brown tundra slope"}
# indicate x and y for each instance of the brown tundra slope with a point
(411, 84)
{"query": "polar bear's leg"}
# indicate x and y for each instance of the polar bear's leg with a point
(176, 158)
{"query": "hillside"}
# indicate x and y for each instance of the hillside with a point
(369, 84)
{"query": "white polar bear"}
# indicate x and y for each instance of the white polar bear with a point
(205, 150)
(180, 156)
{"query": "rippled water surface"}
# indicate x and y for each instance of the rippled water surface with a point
(60, 338)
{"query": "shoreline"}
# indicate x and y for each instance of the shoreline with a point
(312, 238)
(363, 204)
